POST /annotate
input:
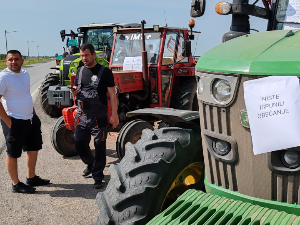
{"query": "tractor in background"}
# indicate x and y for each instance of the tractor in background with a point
(212, 151)
(54, 90)
(152, 67)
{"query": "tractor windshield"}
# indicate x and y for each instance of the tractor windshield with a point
(130, 45)
(98, 37)
(288, 14)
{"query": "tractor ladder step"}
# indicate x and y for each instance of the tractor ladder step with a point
(197, 207)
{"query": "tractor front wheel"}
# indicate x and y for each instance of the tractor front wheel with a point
(62, 139)
(130, 132)
(154, 172)
(50, 80)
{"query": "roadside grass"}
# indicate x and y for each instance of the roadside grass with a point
(32, 60)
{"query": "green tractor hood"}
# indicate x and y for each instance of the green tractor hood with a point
(265, 53)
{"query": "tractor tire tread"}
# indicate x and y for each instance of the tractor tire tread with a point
(142, 180)
(50, 79)
(186, 95)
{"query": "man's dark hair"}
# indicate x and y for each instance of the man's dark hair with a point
(14, 52)
(86, 46)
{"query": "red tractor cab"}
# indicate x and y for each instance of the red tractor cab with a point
(163, 77)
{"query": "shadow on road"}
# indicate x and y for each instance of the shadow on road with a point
(86, 191)
(109, 153)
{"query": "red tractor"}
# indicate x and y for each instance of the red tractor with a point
(152, 67)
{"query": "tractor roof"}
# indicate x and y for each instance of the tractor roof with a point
(151, 28)
(264, 53)
(121, 25)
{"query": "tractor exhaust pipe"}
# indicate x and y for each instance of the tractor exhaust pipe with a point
(145, 68)
(144, 54)
(240, 24)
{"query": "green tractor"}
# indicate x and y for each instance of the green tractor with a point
(201, 168)
(54, 91)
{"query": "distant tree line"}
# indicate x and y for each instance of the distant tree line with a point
(2, 56)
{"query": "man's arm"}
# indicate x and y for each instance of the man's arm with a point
(3, 115)
(114, 119)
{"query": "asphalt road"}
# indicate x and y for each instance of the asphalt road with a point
(68, 200)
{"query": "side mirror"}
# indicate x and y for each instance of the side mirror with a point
(197, 8)
(62, 34)
(186, 48)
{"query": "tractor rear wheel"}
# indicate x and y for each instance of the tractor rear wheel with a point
(62, 139)
(50, 80)
(154, 171)
(186, 97)
(130, 132)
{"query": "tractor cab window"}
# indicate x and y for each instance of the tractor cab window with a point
(99, 38)
(180, 58)
(130, 45)
(288, 15)
(169, 48)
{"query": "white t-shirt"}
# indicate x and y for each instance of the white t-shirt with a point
(15, 91)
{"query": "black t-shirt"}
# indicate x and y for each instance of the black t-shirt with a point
(107, 80)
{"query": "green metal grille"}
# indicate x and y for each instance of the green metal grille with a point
(196, 207)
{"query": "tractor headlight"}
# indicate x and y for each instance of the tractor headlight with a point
(290, 159)
(221, 90)
(76, 64)
(200, 86)
(73, 71)
(221, 147)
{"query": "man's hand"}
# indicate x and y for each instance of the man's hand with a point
(3, 115)
(114, 120)
(74, 90)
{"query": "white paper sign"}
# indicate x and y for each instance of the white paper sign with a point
(128, 63)
(137, 63)
(273, 107)
(290, 26)
(293, 11)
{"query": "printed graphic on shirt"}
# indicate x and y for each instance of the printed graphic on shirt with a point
(94, 78)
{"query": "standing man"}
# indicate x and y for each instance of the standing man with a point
(21, 127)
(91, 84)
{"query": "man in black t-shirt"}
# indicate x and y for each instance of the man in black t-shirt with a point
(91, 84)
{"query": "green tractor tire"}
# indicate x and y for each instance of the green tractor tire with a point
(155, 170)
(51, 110)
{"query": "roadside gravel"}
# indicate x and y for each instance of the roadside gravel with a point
(70, 199)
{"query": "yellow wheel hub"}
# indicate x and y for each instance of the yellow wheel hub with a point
(188, 176)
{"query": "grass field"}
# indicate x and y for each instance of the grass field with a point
(32, 60)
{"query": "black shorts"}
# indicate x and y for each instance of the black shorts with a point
(23, 134)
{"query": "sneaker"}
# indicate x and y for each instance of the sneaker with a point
(22, 188)
(98, 184)
(87, 171)
(37, 181)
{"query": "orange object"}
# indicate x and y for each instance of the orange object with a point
(191, 23)
(218, 8)
(69, 117)
(223, 8)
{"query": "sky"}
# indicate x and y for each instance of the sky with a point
(38, 22)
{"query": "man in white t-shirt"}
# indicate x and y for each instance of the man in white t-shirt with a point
(20, 124)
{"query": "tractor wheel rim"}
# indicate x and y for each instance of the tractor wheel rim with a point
(68, 136)
(136, 137)
(188, 176)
